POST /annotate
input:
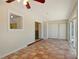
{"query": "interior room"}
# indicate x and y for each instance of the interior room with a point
(38, 29)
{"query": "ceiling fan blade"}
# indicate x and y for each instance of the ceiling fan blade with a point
(41, 1)
(9, 1)
(28, 5)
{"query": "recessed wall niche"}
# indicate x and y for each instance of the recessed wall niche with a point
(16, 21)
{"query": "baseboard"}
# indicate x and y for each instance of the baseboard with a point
(57, 38)
(34, 42)
(12, 52)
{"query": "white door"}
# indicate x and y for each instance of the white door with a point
(62, 31)
(52, 30)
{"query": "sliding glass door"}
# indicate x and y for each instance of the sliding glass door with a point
(73, 33)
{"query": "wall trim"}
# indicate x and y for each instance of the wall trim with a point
(34, 42)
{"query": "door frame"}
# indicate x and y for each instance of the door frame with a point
(40, 29)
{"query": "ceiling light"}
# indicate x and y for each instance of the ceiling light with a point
(25, 2)
(11, 16)
(18, 0)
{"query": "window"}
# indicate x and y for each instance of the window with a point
(16, 21)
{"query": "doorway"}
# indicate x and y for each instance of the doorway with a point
(37, 30)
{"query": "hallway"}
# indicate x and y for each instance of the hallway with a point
(44, 49)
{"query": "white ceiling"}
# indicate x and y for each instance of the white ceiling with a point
(52, 9)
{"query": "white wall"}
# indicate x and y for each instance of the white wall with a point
(11, 41)
(45, 30)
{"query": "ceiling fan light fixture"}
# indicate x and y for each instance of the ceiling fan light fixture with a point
(25, 2)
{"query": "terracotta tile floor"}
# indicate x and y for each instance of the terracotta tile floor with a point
(45, 49)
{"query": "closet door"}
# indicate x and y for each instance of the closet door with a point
(52, 30)
(62, 31)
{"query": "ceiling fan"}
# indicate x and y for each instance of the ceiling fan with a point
(26, 2)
